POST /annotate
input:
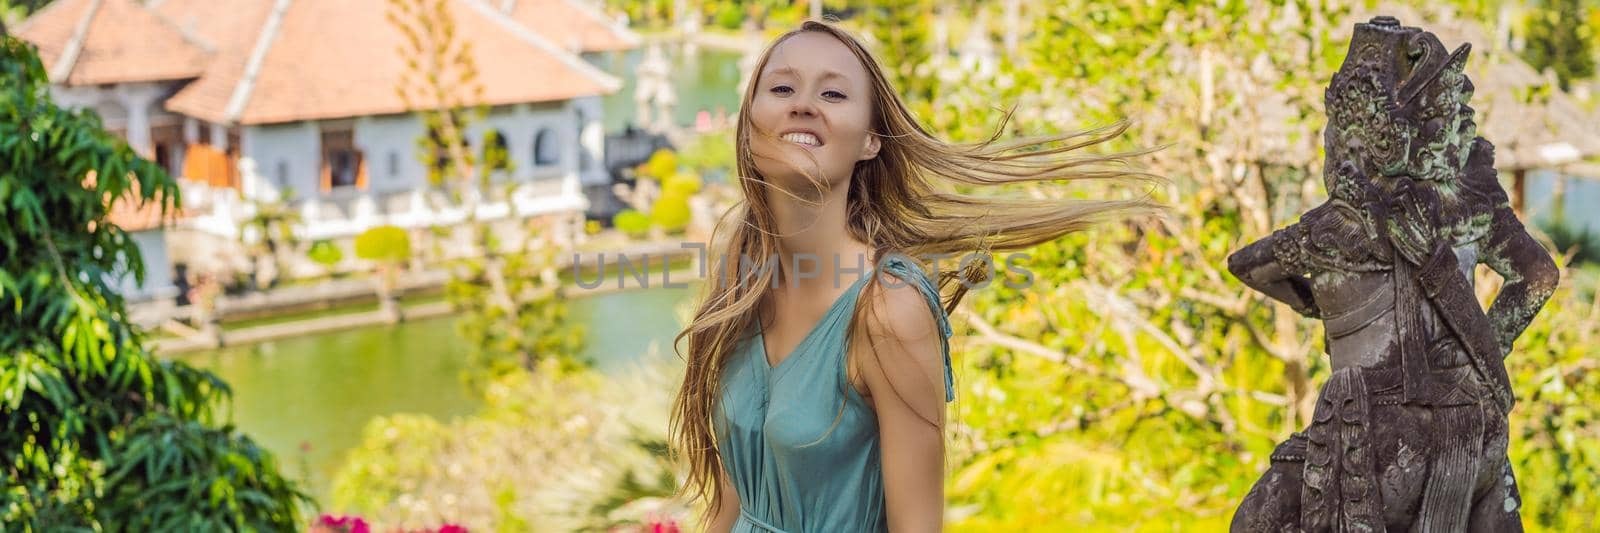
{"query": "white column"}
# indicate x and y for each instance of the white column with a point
(219, 137)
(191, 130)
(139, 123)
(592, 140)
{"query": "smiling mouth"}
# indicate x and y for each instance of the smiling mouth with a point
(803, 139)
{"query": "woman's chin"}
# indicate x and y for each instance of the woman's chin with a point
(793, 175)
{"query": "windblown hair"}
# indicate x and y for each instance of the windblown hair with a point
(893, 206)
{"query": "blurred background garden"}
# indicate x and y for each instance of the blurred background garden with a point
(299, 264)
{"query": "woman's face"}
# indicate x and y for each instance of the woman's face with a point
(813, 98)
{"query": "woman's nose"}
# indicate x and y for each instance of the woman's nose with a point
(802, 107)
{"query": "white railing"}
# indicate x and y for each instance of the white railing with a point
(346, 213)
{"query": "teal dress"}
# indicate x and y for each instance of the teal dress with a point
(800, 445)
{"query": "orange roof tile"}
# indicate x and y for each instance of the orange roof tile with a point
(321, 59)
(52, 28)
(571, 25)
(88, 42)
(222, 25)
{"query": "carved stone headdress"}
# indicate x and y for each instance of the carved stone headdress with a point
(1398, 107)
(1400, 131)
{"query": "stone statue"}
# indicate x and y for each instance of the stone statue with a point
(653, 90)
(1409, 433)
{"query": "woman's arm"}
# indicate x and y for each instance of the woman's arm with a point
(724, 515)
(901, 362)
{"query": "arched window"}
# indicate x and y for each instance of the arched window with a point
(545, 149)
(495, 154)
(438, 154)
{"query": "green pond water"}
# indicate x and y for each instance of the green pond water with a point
(706, 80)
(308, 398)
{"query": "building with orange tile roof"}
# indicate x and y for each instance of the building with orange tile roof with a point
(250, 99)
(575, 26)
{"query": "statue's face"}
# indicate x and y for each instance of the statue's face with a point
(1397, 107)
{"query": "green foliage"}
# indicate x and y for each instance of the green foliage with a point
(782, 15)
(1571, 237)
(900, 29)
(1559, 37)
(385, 244)
(722, 14)
(440, 74)
(512, 311)
(1135, 374)
(710, 154)
(516, 326)
(273, 221)
(729, 16)
(631, 222)
(1555, 429)
(682, 183)
(671, 212)
(1148, 414)
(326, 253)
(662, 163)
(14, 11)
(645, 13)
(495, 154)
(552, 450)
(95, 432)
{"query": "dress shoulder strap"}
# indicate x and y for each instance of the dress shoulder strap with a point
(906, 269)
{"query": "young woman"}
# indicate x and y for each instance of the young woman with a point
(818, 359)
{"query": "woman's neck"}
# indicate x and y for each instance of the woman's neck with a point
(815, 248)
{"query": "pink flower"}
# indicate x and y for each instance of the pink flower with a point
(347, 524)
(452, 528)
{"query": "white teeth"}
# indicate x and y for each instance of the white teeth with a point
(802, 138)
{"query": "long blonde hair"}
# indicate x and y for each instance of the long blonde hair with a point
(893, 207)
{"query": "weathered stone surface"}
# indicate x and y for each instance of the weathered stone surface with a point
(1409, 433)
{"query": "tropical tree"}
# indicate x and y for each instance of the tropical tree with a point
(1135, 374)
(95, 432)
(16, 10)
(325, 253)
(508, 319)
(388, 247)
(1560, 38)
(558, 449)
(271, 233)
(535, 326)
(899, 29)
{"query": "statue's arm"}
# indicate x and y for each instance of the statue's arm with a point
(1270, 266)
(1529, 272)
